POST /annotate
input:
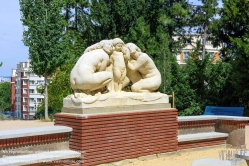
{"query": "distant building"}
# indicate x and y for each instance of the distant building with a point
(190, 45)
(24, 96)
(4, 79)
(13, 90)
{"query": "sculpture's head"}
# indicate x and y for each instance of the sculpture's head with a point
(118, 44)
(133, 49)
(126, 53)
(107, 46)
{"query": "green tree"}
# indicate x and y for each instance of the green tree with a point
(5, 96)
(201, 21)
(157, 24)
(233, 32)
(59, 87)
(43, 34)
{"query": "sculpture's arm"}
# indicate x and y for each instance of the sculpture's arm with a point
(131, 66)
(141, 60)
(111, 60)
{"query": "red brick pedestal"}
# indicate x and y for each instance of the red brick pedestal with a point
(113, 137)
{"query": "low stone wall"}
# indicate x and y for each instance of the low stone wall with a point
(34, 140)
(106, 138)
(29, 141)
(233, 125)
(236, 130)
(192, 127)
(198, 144)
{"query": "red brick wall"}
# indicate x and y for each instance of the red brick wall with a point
(13, 93)
(202, 143)
(202, 123)
(114, 137)
(21, 141)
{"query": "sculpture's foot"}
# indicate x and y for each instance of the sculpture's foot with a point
(97, 94)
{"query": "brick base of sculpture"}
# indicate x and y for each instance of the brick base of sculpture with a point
(105, 138)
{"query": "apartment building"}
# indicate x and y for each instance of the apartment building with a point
(24, 96)
(190, 45)
(13, 90)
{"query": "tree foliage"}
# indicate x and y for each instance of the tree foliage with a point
(44, 35)
(232, 31)
(59, 87)
(5, 96)
(201, 21)
(55, 29)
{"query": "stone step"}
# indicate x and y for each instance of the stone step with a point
(39, 158)
(26, 132)
(201, 136)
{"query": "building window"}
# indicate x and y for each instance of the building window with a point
(31, 109)
(187, 41)
(208, 42)
(31, 91)
(211, 55)
(201, 56)
(31, 100)
(24, 91)
(25, 99)
(39, 100)
(24, 108)
(186, 56)
(24, 82)
(31, 82)
(40, 82)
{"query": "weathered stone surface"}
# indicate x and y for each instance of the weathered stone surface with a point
(117, 102)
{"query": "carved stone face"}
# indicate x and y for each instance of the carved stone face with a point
(118, 47)
(136, 55)
(108, 48)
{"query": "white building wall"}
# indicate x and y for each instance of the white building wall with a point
(33, 97)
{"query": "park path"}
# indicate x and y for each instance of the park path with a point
(19, 124)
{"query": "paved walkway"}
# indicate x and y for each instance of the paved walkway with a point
(19, 124)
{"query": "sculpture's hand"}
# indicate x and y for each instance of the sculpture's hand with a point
(130, 66)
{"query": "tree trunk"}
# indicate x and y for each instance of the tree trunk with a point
(204, 41)
(46, 97)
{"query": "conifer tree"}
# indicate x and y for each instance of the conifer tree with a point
(233, 32)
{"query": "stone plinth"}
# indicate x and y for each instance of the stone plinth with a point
(115, 103)
(109, 137)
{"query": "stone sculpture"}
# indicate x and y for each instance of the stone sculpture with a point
(119, 59)
(148, 77)
(111, 65)
(89, 73)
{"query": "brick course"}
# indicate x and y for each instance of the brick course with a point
(113, 137)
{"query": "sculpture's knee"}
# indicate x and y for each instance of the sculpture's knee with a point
(135, 88)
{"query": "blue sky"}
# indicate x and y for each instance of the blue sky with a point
(12, 49)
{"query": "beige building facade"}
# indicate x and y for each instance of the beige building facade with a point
(190, 45)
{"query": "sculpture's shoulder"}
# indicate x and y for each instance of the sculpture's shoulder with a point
(105, 45)
(96, 53)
